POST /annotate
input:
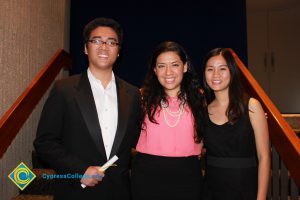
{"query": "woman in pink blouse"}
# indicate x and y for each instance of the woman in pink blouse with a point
(167, 165)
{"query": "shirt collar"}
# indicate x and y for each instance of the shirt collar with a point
(95, 80)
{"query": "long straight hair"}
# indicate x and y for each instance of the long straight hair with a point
(237, 97)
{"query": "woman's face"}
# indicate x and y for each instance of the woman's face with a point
(169, 70)
(217, 74)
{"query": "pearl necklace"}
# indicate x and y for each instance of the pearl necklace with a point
(176, 114)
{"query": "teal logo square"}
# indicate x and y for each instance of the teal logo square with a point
(21, 176)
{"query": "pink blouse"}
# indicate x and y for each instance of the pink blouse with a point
(162, 140)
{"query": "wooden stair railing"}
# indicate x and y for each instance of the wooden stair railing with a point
(17, 114)
(282, 136)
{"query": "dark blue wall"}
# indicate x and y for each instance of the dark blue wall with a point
(198, 25)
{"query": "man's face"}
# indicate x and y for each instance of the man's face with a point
(101, 55)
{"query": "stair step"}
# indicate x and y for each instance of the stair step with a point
(294, 121)
(32, 197)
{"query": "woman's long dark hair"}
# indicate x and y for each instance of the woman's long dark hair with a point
(237, 98)
(153, 92)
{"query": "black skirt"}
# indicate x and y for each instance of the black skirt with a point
(166, 178)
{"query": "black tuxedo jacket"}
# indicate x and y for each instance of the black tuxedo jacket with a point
(69, 138)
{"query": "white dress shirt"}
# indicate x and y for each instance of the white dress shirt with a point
(107, 108)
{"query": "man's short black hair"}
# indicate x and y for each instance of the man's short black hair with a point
(104, 22)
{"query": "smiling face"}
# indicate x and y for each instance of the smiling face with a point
(102, 56)
(217, 74)
(169, 70)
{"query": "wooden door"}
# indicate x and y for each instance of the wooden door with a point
(285, 59)
(274, 55)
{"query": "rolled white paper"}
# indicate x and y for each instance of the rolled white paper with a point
(109, 163)
(106, 165)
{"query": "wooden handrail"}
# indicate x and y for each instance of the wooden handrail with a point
(17, 114)
(282, 135)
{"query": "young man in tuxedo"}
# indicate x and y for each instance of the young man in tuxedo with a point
(89, 118)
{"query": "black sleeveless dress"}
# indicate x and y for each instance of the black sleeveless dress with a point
(231, 162)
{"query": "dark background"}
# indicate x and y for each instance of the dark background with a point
(199, 26)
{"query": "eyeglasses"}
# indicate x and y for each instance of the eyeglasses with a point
(99, 42)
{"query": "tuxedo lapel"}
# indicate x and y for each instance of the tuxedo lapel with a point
(87, 107)
(124, 100)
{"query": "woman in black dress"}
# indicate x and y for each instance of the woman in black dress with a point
(236, 135)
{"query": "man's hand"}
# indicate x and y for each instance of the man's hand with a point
(92, 176)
